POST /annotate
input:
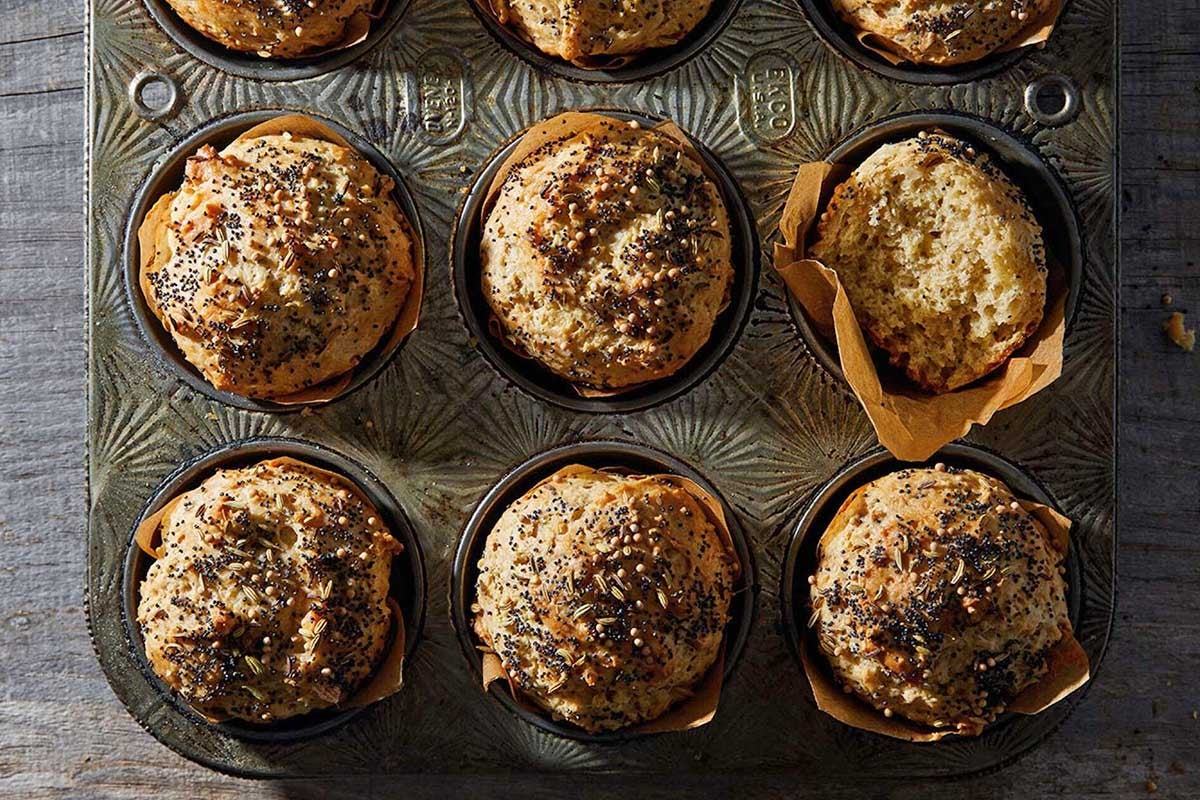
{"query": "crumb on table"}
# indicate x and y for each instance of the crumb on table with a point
(1183, 337)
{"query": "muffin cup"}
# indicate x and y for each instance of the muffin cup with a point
(607, 455)
(1068, 663)
(870, 51)
(406, 587)
(913, 424)
(612, 69)
(523, 370)
(363, 33)
(150, 207)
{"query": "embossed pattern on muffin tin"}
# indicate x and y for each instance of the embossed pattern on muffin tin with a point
(641, 460)
(801, 558)
(539, 381)
(438, 426)
(167, 176)
(407, 586)
(1023, 165)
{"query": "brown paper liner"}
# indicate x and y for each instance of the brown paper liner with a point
(912, 424)
(152, 244)
(1035, 32)
(388, 676)
(1066, 663)
(700, 707)
(562, 126)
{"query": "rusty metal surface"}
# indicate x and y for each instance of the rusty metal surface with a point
(438, 426)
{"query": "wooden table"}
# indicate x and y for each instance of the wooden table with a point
(63, 733)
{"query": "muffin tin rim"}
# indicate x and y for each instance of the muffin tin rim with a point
(517, 479)
(161, 346)
(247, 452)
(824, 499)
(270, 70)
(728, 327)
(895, 127)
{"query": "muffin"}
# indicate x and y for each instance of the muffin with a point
(942, 32)
(583, 31)
(937, 597)
(941, 257)
(269, 595)
(274, 28)
(279, 263)
(606, 255)
(604, 596)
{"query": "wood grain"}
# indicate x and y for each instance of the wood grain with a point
(63, 733)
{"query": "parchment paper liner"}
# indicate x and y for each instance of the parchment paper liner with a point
(701, 706)
(910, 423)
(152, 238)
(386, 679)
(562, 126)
(596, 62)
(1035, 31)
(1066, 661)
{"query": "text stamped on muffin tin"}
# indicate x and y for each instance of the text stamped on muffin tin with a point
(436, 92)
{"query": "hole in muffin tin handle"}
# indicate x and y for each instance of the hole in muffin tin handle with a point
(1052, 100)
(153, 94)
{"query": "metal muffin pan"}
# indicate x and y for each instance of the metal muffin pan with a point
(638, 68)
(1020, 161)
(639, 459)
(407, 585)
(439, 427)
(539, 381)
(167, 176)
(800, 560)
(254, 67)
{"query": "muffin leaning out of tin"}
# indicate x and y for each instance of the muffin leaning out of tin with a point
(268, 597)
(605, 596)
(937, 597)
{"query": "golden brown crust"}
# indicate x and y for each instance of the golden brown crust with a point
(605, 596)
(272, 28)
(941, 257)
(582, 30)
(283, 261)
(269, 598)
(606, 256)
(937, 597)
(942, 32)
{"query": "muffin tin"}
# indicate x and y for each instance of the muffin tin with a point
(436, 93)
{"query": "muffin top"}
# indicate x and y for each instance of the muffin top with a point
(942, 32)
(582, 30)
(605, 596)
(606, 255)
(272, 28)
(279, 264)
(937, 597)
(269, 595)
(941, 258)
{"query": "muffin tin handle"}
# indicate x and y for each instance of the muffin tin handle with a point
(1052, 100)
(153, 94)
